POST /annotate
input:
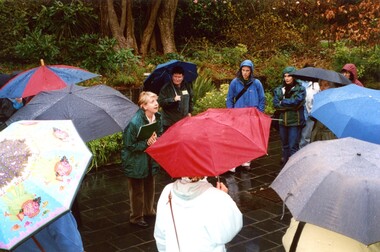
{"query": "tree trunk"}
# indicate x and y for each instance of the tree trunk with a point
(166, 25)
(149, 29)
(104, 23)
(117, 33)
(130, 28)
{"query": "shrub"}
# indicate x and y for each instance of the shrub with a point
(35, 46)
(201, 86)
(273, 68)
(269, 109)
(105, 150)
(212, 99)
(366, 59)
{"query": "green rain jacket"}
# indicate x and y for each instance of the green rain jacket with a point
(135, 161)
(291, 109)
(173, 111)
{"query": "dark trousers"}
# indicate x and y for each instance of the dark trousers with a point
(141, 196)
(290, 137)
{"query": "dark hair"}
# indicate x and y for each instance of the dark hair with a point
(177, 70)
(308, 65)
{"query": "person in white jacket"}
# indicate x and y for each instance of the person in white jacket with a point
(205, 217)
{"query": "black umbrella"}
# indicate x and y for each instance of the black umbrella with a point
(315, 74)
(162, 74)
(96, 111)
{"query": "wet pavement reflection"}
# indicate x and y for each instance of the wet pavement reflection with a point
(103, 204)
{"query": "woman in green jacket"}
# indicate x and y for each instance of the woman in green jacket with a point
(289, 99)
(138, 166)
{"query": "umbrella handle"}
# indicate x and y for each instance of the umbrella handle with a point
(38, 244)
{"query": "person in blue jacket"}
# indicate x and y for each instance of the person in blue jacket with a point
(61, 235)
(245, 91)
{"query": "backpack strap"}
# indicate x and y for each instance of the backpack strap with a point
(245, 88)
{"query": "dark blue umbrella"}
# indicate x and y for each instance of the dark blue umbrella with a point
(162, 74)
(315, 74)
(96, 111)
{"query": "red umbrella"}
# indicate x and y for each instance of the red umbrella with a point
(43, 78)
(212, 142)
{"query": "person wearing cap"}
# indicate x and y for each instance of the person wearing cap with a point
(288, 100)
(175, 98)
(193, 215)
(245, 91)
(350, 71)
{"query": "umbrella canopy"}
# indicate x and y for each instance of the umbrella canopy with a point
(315, 74)
(212, 142)
(44, 78)
(162, 74)
(349, 111)
(42, 166)
(96, 111)
(335, 184)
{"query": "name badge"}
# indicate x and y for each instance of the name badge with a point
(184, 92)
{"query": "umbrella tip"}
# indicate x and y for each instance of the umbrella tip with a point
(42, 62)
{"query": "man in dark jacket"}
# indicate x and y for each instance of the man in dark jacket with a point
(175, 99)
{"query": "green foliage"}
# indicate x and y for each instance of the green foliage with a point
(66, 21)
(208, 18)
(273, 69)
(14, 24)
(201, 86)
(105, 150)
(212, 99)
(37, 45)
(269, 109)
(266, 34)
(154, 59)
(102, 57)
(233, 56)
(366, 59)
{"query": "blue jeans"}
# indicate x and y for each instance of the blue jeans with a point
(290, 137)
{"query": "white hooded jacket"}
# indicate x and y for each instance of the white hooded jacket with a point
(206, 218)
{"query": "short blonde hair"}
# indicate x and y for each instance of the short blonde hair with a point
(145, 96)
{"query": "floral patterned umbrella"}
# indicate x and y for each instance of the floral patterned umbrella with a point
(42, 164)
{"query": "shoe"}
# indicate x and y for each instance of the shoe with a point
(141, 223)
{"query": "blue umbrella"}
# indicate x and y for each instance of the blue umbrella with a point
(349, 111)
(162, 74)
(44, 78)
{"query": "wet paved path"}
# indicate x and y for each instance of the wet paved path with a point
(104, 208)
